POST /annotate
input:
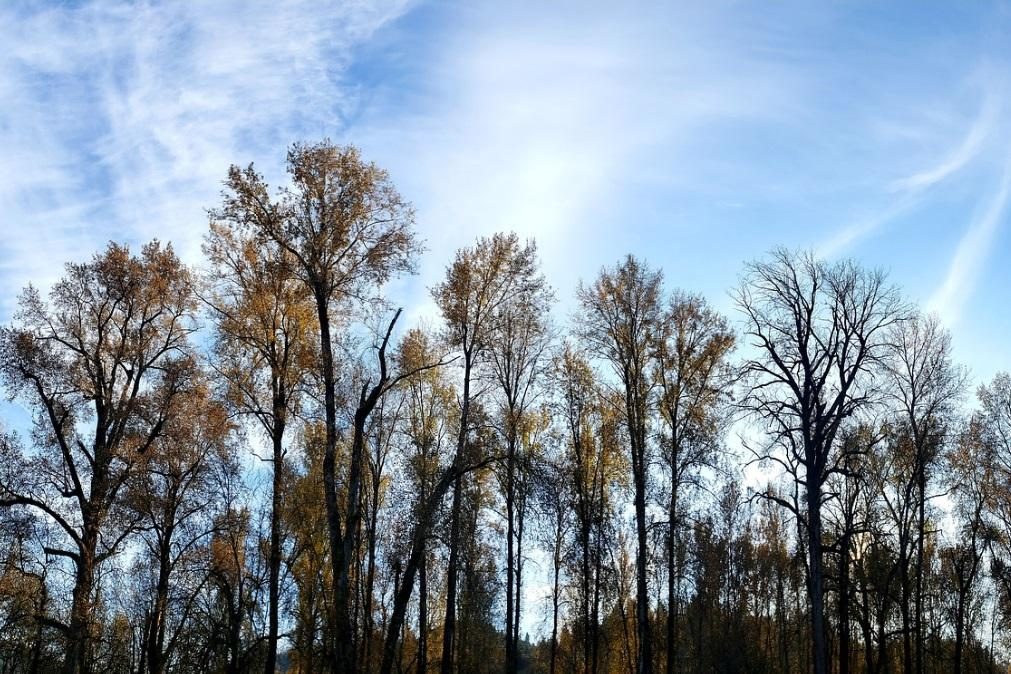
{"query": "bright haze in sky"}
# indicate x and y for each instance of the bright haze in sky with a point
(698, 135)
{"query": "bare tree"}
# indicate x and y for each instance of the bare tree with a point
(819, 331)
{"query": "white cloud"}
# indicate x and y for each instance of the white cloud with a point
(909, 192)
(970, 256)
(120, 119)
(965, 152)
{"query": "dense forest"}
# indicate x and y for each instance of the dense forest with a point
(254, 465)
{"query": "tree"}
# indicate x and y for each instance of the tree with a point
(592, 465)
(348, 231)
(620, 325)
(482, 287)
(820, 334)
(263, 318)
(694, 378)
(102, 366)
(516, 356)
(428, 423)
(924, 385)
(970, 476)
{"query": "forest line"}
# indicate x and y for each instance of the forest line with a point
(415, 472)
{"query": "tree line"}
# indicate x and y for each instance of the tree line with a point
(253, 465)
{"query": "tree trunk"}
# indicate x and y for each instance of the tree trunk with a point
(644, 661)
(402, 596)
(370, 576)
(423, 613)
(274, 580)
(518, 594)
(816, 580)
(343, 661)
(78, 657)
(921, 507)
(844, 606)
(559, 515)
(672, 577)
(449, 624)
(510, 642)
(156, 633)
(959, 632)
(907, 619)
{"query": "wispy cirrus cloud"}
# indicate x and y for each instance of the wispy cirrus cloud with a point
(968, 149)
(908, 192)
(968, 264)
(120, 119)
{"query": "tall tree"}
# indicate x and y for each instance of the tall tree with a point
(694, 380)
(348, 231)
(263, 317)
(428, 422)
(925, 386)
(970, 479)
(516, 358)
(621, 325)
(101, 365)
(819, 331)
(591, 462)
(481, 286)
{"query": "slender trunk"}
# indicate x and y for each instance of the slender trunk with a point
(586, 581)
(672, 577)
(635, 409)
(274, 580)
(629, 656)
(346, 643)
(781, 608)
(370, 575)
(865, 627)
(156, 632)
(402, 596)
(423, 613)
(234, 638)
(920, 531)
(510, 643)
(559, 523)
(595, 614)
(907, 619)
(37, 646)
(449, 624)
(644, 661)
(518, 594)
(959, 632)
(844, 606)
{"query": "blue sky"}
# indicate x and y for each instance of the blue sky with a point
(697, 135)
